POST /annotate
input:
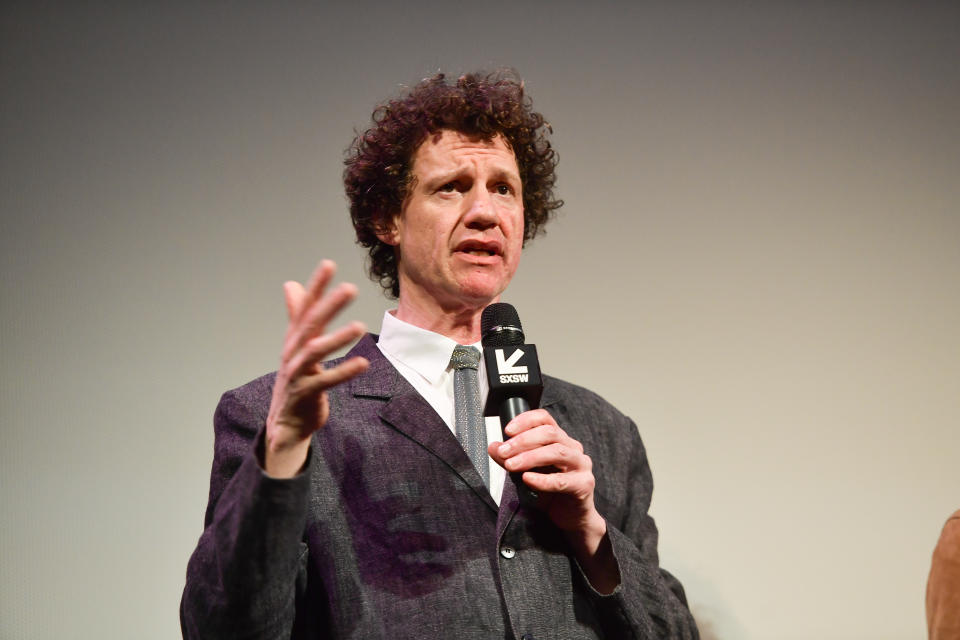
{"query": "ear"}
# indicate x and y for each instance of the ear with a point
(388, 232)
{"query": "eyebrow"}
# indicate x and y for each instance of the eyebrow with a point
(499, 174)
(506, 175)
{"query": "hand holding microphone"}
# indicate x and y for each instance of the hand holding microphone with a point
(548, 467)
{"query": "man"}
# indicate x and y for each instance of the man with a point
(342, 504)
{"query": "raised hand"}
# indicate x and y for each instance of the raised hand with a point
(299, 405)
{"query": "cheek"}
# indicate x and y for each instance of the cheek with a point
(516, 231)
(511, 217)
(420, 238)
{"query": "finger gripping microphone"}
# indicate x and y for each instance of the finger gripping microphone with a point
(513, 371)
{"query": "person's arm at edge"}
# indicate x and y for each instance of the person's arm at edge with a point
(252, 534)
(647, 594)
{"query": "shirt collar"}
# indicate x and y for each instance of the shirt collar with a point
(424, 351)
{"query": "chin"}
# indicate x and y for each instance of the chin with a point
(481, 293)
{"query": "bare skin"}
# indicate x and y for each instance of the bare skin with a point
(458, 238)
(460, 234)
(299, 405)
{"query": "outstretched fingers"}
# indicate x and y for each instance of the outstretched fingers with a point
(296, 296)
(314, 316)
(300, 405)
(319, 279)
(317, 349)
(326, 378)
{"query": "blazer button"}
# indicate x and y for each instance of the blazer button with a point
(508, 552)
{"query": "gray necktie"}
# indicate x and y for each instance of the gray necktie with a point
(471, 430)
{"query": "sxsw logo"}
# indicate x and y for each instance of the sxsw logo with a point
(508, 369)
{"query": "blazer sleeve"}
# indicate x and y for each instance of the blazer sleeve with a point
(649, 602)
(249, 564)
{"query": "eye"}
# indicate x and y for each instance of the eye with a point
(450, 187)
(504, 189)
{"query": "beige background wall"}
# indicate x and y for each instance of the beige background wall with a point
(758, 260)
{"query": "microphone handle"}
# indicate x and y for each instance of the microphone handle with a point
(510, 409)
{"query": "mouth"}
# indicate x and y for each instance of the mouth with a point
(479, 248)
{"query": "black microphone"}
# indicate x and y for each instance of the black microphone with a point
(513, 372)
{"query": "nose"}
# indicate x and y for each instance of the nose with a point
(481, 213)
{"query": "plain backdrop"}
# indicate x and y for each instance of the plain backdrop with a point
(758, 260)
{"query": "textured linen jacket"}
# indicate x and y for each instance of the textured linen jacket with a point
(389, 531)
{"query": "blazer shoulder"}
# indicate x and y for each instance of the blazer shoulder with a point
(557, 391)
(585, 415)
(247, 404)
(255, 389)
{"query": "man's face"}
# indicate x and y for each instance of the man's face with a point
(460, 231)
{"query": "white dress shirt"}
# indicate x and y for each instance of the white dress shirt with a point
(423, 358)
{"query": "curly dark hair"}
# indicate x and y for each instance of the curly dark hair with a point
(486, 105)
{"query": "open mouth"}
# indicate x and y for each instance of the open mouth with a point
(479, 248)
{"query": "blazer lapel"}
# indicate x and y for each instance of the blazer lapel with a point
(406, 411)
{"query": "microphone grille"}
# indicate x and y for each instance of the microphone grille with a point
(500, 326)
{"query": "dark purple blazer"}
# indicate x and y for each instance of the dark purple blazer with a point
(389, 531)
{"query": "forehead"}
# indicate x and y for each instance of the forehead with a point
(452, 150)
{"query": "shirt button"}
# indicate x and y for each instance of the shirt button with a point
(508, 552)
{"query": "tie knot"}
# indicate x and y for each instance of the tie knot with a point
(465, 357)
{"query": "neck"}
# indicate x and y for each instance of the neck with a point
(460, 322)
